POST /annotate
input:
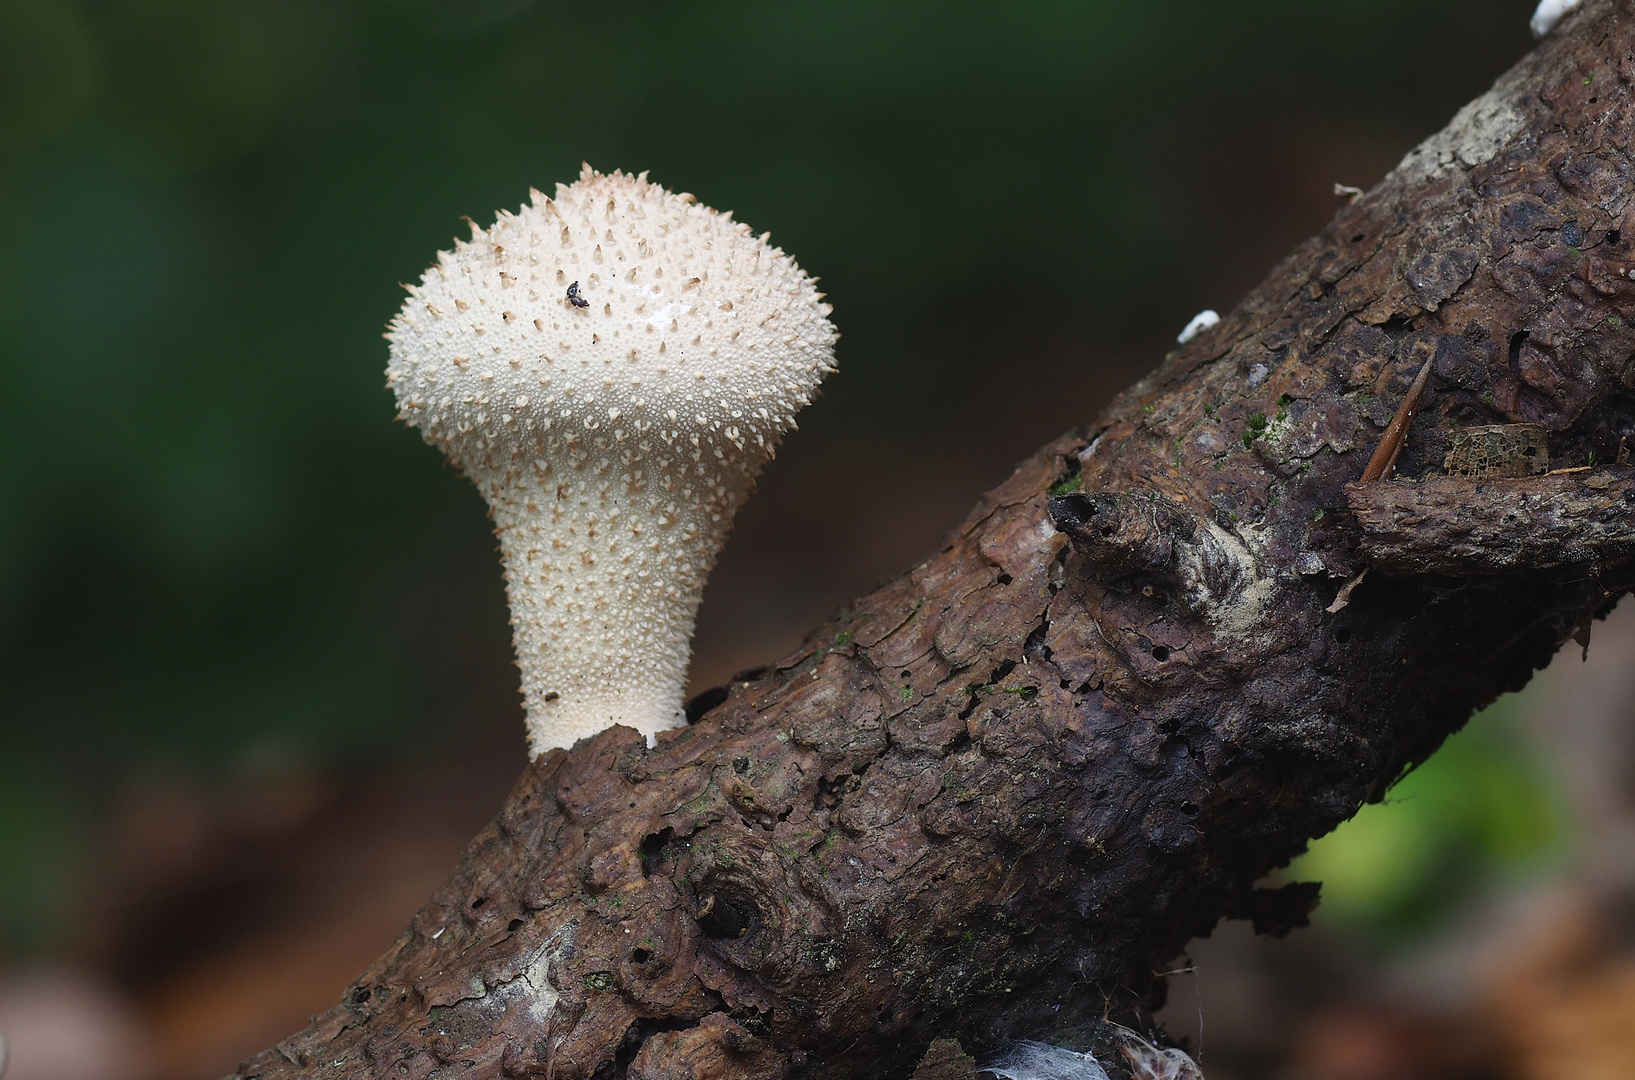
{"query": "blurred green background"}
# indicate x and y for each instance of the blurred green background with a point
(220, 559)
(1481, 813)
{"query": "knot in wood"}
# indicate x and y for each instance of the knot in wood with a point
(1121, 533)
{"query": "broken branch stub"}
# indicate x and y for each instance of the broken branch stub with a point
(993, 797)
(1463, 528)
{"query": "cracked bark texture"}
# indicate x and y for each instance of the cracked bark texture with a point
(993, 798)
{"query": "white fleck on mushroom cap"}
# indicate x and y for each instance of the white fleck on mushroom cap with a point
(613, 440)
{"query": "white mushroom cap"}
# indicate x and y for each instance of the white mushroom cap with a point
(614, 441)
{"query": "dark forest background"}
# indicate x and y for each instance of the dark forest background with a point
(253, 646)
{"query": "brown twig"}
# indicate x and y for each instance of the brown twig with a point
(1385, 458)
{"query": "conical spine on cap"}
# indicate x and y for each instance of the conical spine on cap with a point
(614, 439)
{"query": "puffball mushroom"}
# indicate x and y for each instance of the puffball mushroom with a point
(612, 368)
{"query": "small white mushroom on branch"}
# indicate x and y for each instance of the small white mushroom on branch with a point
(1200, 322)
(612, 368)
(1549, 13)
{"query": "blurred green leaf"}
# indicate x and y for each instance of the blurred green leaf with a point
(1480, 809)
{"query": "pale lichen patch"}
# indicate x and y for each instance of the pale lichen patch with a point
(1222, 581)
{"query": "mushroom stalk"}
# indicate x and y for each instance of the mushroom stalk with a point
(612, 368)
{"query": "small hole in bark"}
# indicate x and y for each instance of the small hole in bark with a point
(1359, 238)
(652, 848)
(727, 918)
(1343, 634)
(635, 1037)
(1614, 236)
(885, 1019)
(1035, 643)
(1189, 808)
(904, 675)
(826, 796)
(360, 995)
(1516, 341)
(641, 956)
(1160, 653)
(740, 766)
(479, 902)
(829, 791)
(1063, 683)
(1004, 579)
(513, 926)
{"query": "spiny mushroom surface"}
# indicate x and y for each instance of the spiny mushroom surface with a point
(612, 367)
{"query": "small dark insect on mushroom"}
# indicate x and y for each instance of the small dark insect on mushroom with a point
(574, 298)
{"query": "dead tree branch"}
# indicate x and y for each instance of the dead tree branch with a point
(992, 798)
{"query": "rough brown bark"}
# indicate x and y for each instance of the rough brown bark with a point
(992, 798)
(1461, 528)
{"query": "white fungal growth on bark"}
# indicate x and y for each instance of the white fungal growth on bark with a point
(1027, 1060)
(612, 368)
(1148, 1062)
(536, 978)
(1200, 322)
(1550, 12)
